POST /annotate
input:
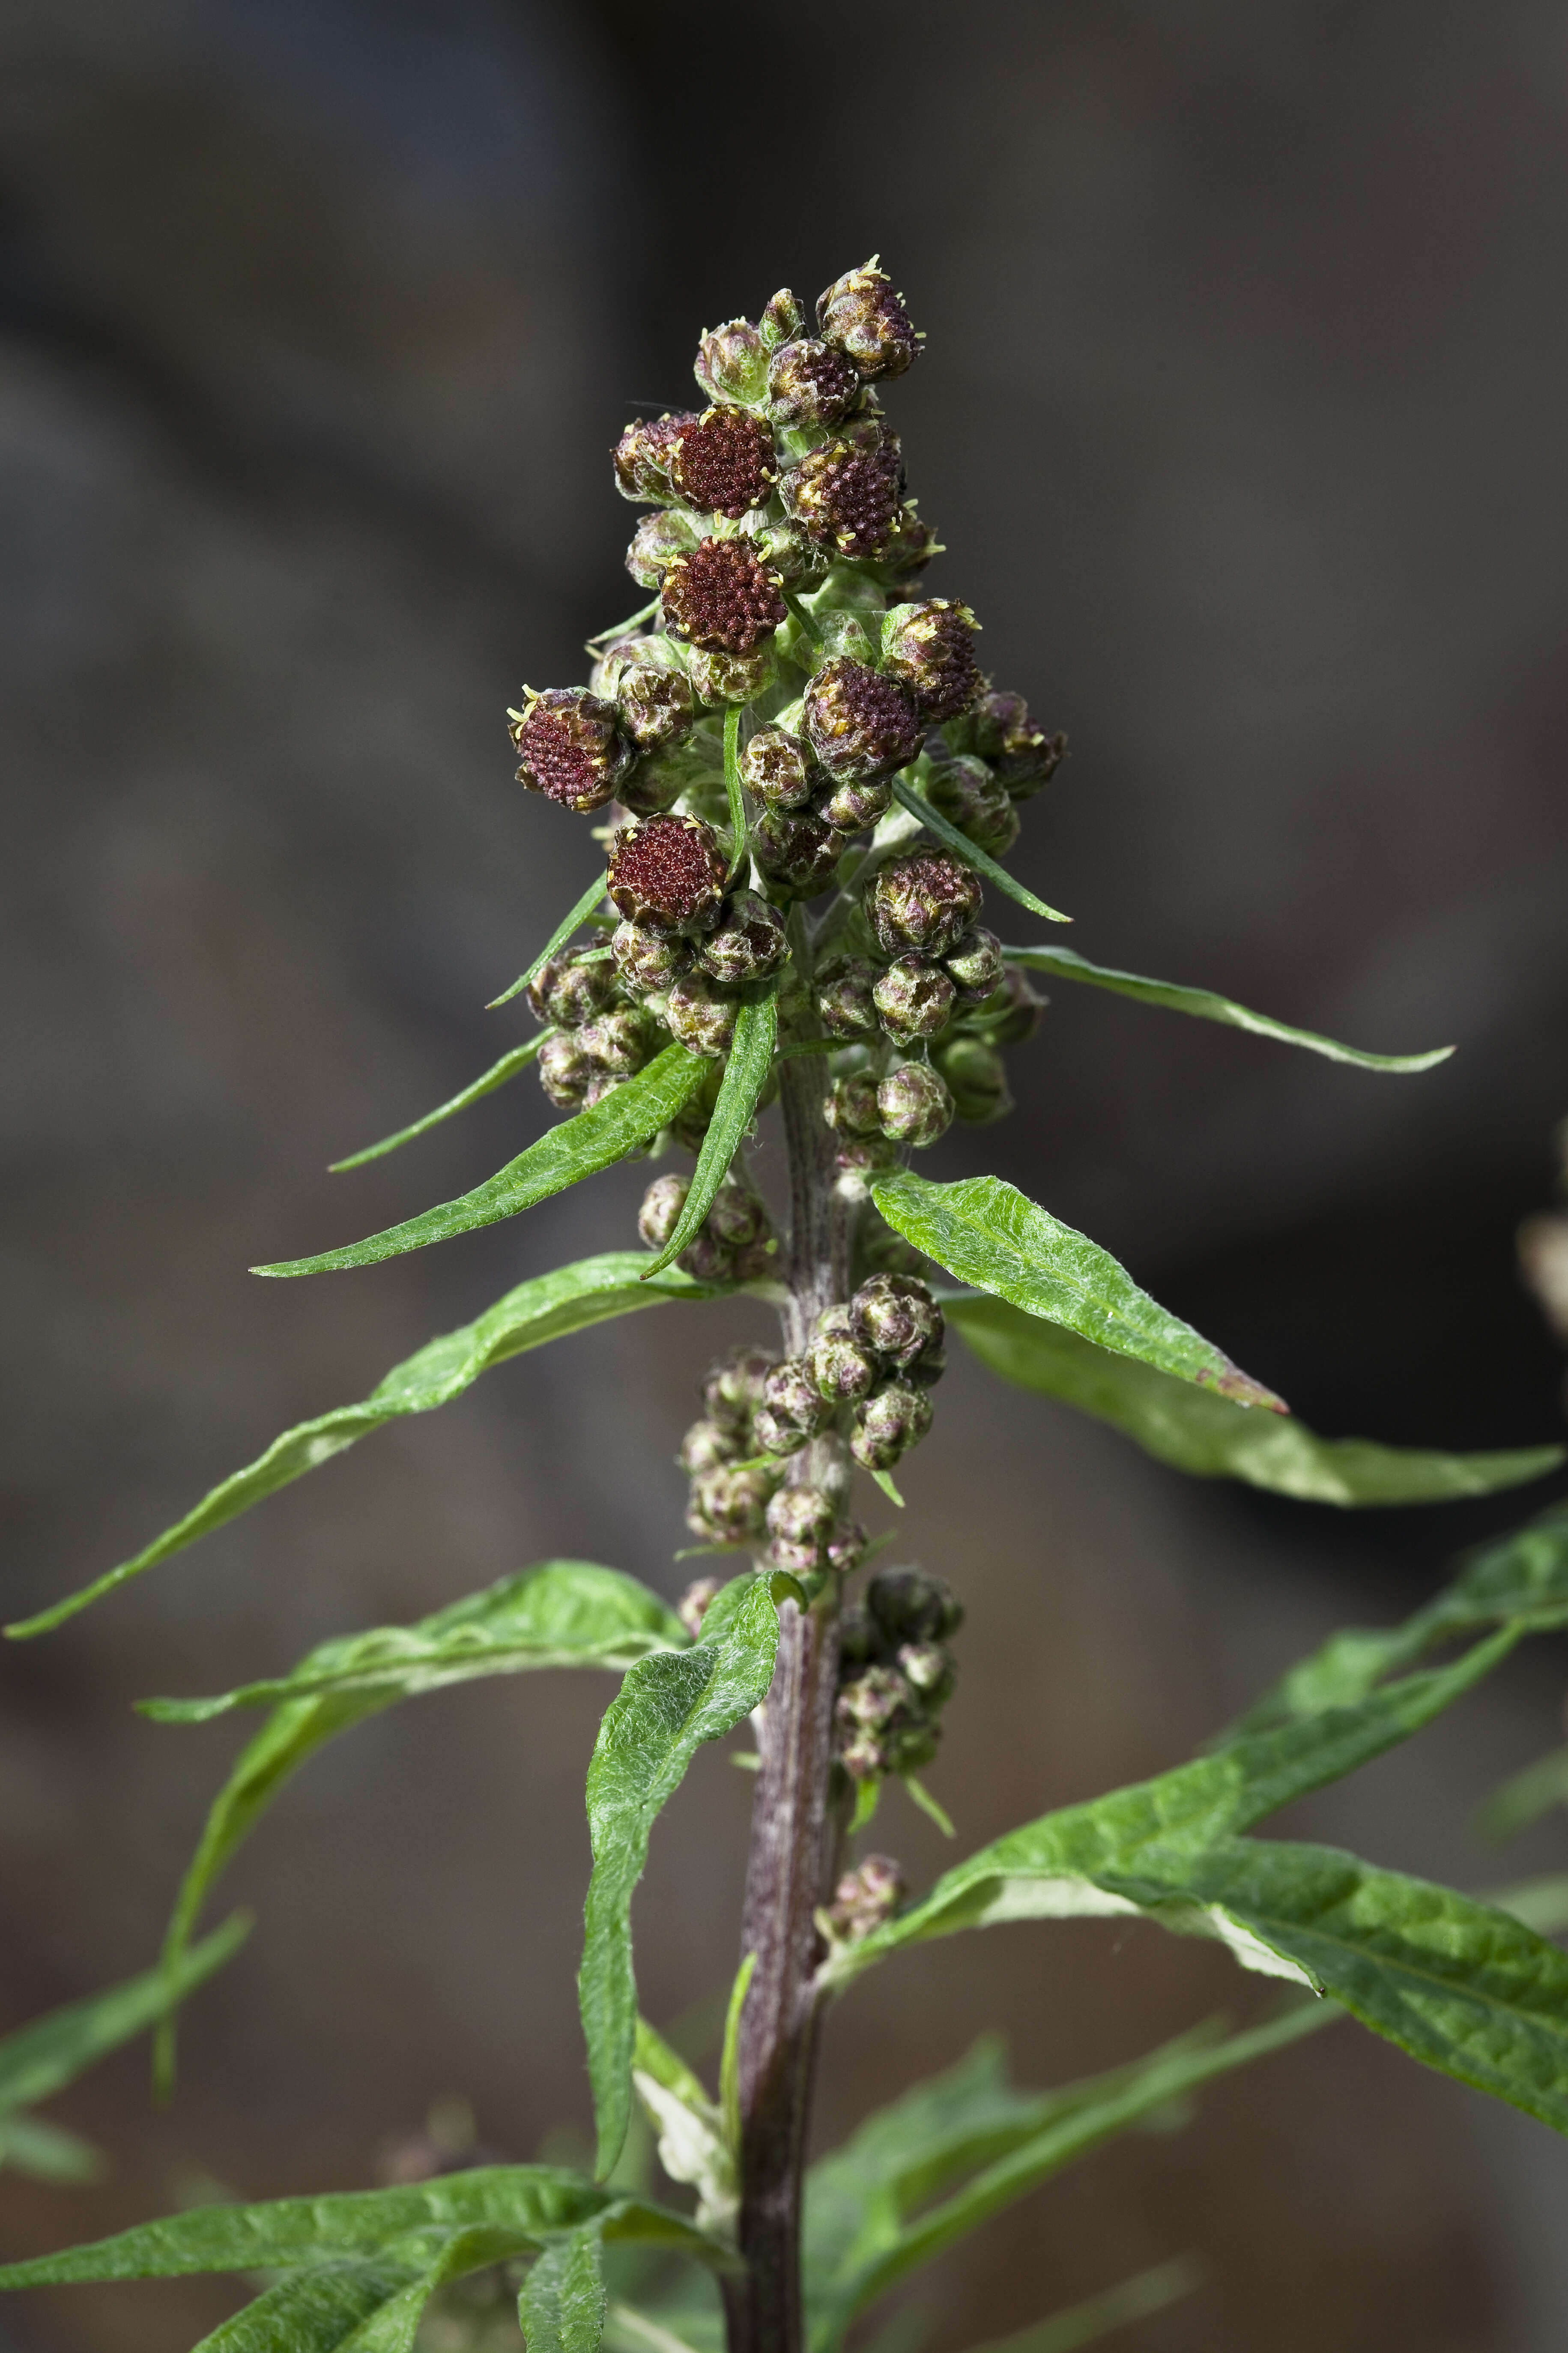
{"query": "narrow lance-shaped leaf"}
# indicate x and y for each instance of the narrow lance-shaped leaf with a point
(952, 839)
(547, 1307)
(573, 921)
(41, 2058)
(733, 791)
(47, 2152)
(1198, 1432)
(374, 2306)
(579, 1147)
(745, 1075)
(667, 1708)
(1202, 1002)
(562, 2307)
(496, 1076)
(1138, 2298)
(563, 1613)
(989, 1234)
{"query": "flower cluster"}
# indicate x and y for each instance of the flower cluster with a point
(736, 1460)
(895, 1675)
(598, 1037)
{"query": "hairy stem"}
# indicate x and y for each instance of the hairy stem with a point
(794, 1832)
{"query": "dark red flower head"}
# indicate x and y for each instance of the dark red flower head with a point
(723, 596)
(862, 723)
(569, 748)
(931, 645)
(811, 383)
(864, 314)
(845, 494)
(668, 873)
(722, 462)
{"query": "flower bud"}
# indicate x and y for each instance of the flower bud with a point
(1012, 1013)
(734, 1387)
(660, 776)
(914, 999)
(908, 1606)
(797, 852)
(931, 647)
(851, 1106)
(667, 873)
(661, 1206)
(694, 1605)
(863, 314)
(620, 1040)
(782, 317)
(708, 1444)
(866, 1898)
(1025, 757)
(705, 1258)
(853, 807)
(907, 1748)
(811, 383)
(844, 494)
(873, 1700)
(975, 964)
(895, 1316)
(647, 961)
(858, 1641)
(791, 551)
(968, 793)
(601, 1082)
(565, 1071)
(749, 943)
(860, 1754)
(929, 1668)
(861, 724)
(800, 1521)
(567, 991)
(779, 769)
(643, 454)
(727, 1505)
(846, 1547)
(843, 1370)
(860, 1157)
(909, 550)
(916, 1104)
(733, 361)
(722, 462)
(793, 1400)
(887, 1423)
(720, 678)
(738, 1216)
(655, 704)
(657, 540)
(845, 1003)
(978, 1078)
(698, 1018)
(721, 597)
(925, 901)
(842, 634)
(569, 749)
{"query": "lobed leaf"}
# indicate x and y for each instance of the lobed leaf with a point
(496, 1076)
(593, 1139)
(667, 1708)
(1201, 1432)
(547, 1307)
(988, 1233)
(562, 2307)
(1202, 1002)
(952, 839)
(746, 1070)
(41, 2058)
(571, 921)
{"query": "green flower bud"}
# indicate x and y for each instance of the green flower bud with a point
(782, 317)
(565, 1071)
(966, 791)
(910, 1748)
(931, 647)
(916, 1104)
(732, 1388)
(906, 1605)
(914, 999)
(909, 550)
(698, 1018)
(739, 1217)
(895, 1316)
(842, 635)
(866, 1898)
(695, 1603)
(722, 463)
(861, 724)
(1023, 757)
(721, 597)
(930, 1669)
(655, 704)
(887, 1423)
(667, 873)
(733, 363)
(851, 1106)
(657, 540)
(800, 1521)
(620, 1040)
(978, 1077)
(860, 1754)
(860, 1158)
(660, 1212)
(569, 747)
(779, 769)
(1013, 1014)
(811, 383)
(852, 808)
(647, 961)
(975, 964)
(644, 451)
(727, 1505)
(567, 991)
(882, 1251)
(793, 1406)
(924, 900)
(797, 852)
(843, 1370)
(846, 1006)
(864, 315)
(749, 944)
(720, 677)
(708, 1444)
(844, 494)
(792, 553)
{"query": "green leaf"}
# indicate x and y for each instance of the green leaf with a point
(562, 2307)
(41, 2058)
(1525, 1798)
(989, 1234)
(321, 2311)
(667, 1708)
(564, 1613)
(1207, 1006)
(496, 1076)
(745, 1075)
(571, 922)
(547, 1307)
(730, 2058)
(1202, 1434)
(1541, 1904)
(951, 838)
(46, 2152)
(578, 1147)
(1137, 2298)
(732, 788)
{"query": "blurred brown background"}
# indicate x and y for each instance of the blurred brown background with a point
(1241, 412)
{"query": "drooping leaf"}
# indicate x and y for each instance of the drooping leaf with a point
(563, 1613)
(578, 1147)
(571, 921)
(1064, 966)
(547, 1307)
(1197, 1431)
(47, 2152)
(745, 1075)
(667, 1708)
(989, 1234)
(496, 1076)
(1137, 2298)
(951, 838)
(562, 2307)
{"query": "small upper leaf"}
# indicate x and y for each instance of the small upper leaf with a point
(952, 839)
(41, 2058)
(496, 1076)
(746, 1072)
(571, 921)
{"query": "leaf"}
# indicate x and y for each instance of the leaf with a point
(1207, 1006)
(631, 2331)
(547, 1307)
(1136, 2299)
(564, 1613)
(691, 2139)
(571, 922)
(732, 789)
(746, 1070)
(496, 1076)
(46, 2152)
(578, 1147)
(318, 2311)
(729, 2058)
(929, 1805)
(562, 2307)
(41, 2058)
(1525, 1798)
(988, 1233)
(951, 838)
(1202, 1434)
(666, 1709)
(1541, 1904)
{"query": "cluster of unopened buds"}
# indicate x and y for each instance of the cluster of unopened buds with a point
(895, 1673)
